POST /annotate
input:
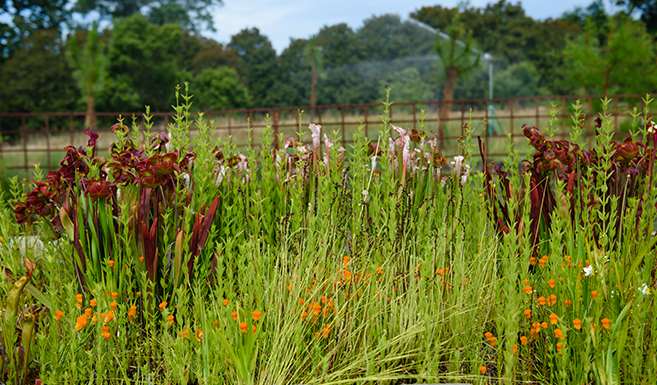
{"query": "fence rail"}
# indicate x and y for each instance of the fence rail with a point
(39, 137)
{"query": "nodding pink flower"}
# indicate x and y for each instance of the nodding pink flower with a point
(399, 130)
(328, 143)
(458, 164)
(316, 130)
(406, 152)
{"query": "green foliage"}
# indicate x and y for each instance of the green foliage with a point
(257, 63)
(37, 78)
(220, 89)
(188, 14)
(142, 65)
(619, 57)
(407, 84)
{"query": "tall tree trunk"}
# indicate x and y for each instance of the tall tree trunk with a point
(90, 118)
(313, 97)
(448, 93)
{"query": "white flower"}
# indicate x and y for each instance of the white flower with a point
(644, 289)
(458, 164)
(588, 271)
(365, 193)
(651, 127)
(373, 159)
(315, 129)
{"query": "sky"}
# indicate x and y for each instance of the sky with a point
(281, 20)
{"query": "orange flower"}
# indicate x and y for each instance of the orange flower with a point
(515, 348)
(234, 315)
(523, 340)
(528, 289)
(87, 312)
(113, 305)
(482, 369)
(541, 301)
(605, 323)
(256, 315)
(183, 334)
(532, 261)
(80, 323)
(568, 303)
(93, 302)
(58, 315)
(326, 331)
(493, 341)
(303, 316)
(541, 262)
(301, 301)
(526, 281)
(106, 335)
(109, 316)
(133, 308)
(162, 305)
(141, 259)
(577, 323)
(553, 319)
(488, 336)
(78, 300)
(243, 327)
(316, 308)
(131, 315)
(170, 319)
(544, 324)
(594, 294)
(110, 263)
(347, 274)
(559, 345)
(345, 260)
(138, 293)
(558, 333)
(551, 282)
(553, 300)
(289, 287)
(528, 314)
(323, 300)
(115, 295)
(199, 334)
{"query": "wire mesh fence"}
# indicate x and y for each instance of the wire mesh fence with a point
(40, 138)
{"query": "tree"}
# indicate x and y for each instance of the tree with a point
(620, 60)
(28, 16)
(187, 13)
(647, 10)
(89, 70)
(257, 64)
(143, 65)
(313, 54)
(219, 89)
(456, 54)
(37, 78)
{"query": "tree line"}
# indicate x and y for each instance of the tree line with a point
(52, 61)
